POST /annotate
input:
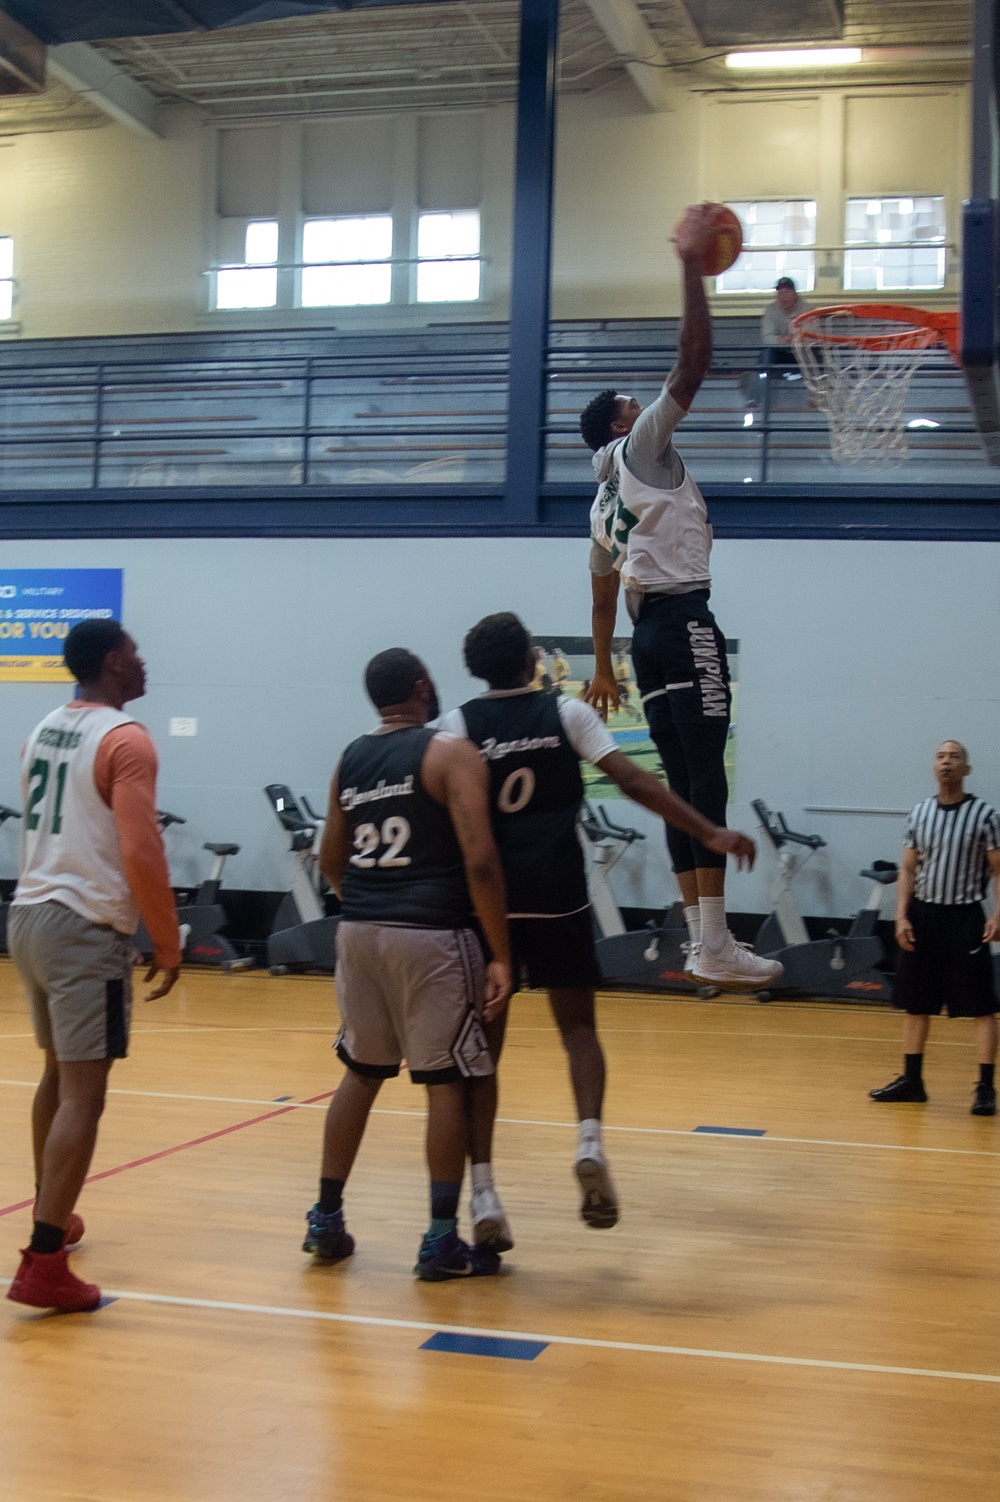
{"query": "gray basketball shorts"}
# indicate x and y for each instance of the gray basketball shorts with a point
(413, 994)
(78, 976)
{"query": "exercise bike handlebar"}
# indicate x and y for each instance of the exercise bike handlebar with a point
(8, 813)
(165, 820)
(778, 832)
(598, 826)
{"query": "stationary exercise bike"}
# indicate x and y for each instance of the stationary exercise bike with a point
(851, 966)
(303, 936)
(5, 814)
(651, 958)
(201, 920)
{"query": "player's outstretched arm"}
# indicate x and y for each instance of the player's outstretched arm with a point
(603, 691)
(905, 883)
(694, 353)
(454, 774)
(642, 787)
(333, 847)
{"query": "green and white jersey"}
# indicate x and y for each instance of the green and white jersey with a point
(70, 852)
(658, 540)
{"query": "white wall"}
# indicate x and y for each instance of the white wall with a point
(856, 659)
(113, 232)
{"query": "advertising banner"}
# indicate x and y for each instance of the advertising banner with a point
(565, 665)
(37, 609)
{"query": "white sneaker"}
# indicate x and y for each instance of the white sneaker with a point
(600, 1198)
(691, 953)
(735, 967)
(489, 1223)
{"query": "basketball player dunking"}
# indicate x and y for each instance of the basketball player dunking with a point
(650, 531)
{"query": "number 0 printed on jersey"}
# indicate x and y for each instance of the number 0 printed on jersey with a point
(517, 791)
(368, 838)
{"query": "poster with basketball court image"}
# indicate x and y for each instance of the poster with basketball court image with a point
(565, 664)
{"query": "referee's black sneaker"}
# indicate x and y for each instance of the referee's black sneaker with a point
(985, 1103)
(901, 1089)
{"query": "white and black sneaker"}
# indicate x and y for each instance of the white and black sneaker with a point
(600, 1198)
(490, 1227)
(735, 967)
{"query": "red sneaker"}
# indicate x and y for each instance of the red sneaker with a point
(75, 1229)
(44, 1280)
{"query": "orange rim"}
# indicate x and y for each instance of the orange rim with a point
(942, 328)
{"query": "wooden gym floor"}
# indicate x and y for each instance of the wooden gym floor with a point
(808, 1315)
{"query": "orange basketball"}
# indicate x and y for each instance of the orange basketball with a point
(727, 244)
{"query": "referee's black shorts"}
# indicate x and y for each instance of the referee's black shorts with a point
(555, 954)
(949, 967)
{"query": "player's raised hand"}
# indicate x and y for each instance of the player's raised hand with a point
(603, 695)
(695, 231)
(735, 843)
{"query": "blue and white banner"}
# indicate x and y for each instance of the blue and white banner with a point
(37, 609)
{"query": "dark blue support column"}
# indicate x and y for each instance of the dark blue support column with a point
(531, 259)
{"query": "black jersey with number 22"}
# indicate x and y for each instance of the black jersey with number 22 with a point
(405, 864)
(535, 793)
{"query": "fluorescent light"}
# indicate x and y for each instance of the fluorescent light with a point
(798, 57)
(922, 422)
(748, 420)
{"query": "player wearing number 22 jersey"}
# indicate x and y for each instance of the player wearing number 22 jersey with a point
(408, 848)
(91, 859)
(532, 744)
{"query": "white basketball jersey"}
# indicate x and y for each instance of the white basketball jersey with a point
(69, 844)
(658, 539)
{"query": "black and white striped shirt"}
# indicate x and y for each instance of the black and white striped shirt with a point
(951, 841)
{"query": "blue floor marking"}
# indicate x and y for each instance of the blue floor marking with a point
(732, 1131)
(485, 1345)
(283, 1097)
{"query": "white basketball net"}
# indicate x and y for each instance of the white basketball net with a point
(858, 371)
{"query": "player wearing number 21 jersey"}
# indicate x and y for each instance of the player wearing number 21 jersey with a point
(408, 849)
(91, 859)
(532, 744)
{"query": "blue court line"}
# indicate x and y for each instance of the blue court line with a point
(485, 1345)
(732, 1131)
(283, 1097)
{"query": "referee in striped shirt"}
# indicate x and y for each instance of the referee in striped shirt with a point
(952, 847)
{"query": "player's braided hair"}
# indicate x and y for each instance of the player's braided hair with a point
(498, 648)
(597, 417)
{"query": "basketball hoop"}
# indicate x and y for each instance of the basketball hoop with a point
(858, 361)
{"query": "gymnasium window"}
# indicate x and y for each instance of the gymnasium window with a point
(774, 230)
(347, 261)
(6, 278)
(900, 243)
(448, 265)
(255, 283)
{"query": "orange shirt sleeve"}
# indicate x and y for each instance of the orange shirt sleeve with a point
(125, 775)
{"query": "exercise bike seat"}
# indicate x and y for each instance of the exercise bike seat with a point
(884, 872)
(222, 849)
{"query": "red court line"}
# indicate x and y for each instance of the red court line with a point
(166, 1152)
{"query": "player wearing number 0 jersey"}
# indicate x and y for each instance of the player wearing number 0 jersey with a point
(532, 744)
(408, 849)
(91, 859)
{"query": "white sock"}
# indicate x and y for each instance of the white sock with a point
(482, 1176)
(713, 922)
(692, 917)
(590, 1132)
